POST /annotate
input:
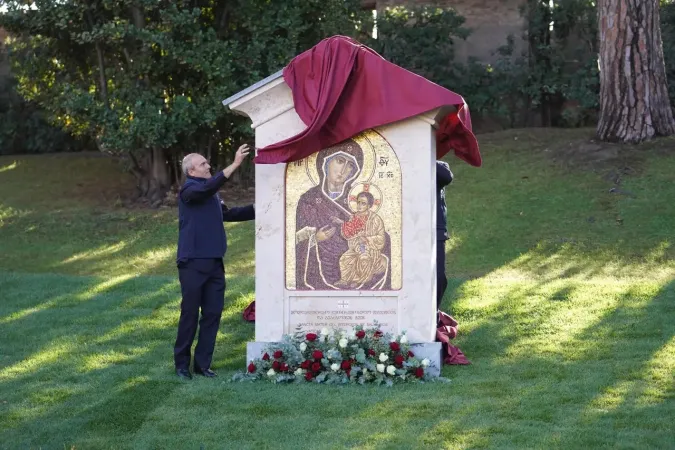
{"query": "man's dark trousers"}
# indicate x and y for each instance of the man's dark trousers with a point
(202, 283)
(441, 278)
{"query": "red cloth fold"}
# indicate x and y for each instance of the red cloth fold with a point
(341, 88)
(249, 312)
(446, 331)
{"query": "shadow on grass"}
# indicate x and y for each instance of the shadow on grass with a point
(564, 393)
(96, 354)
(105, 243)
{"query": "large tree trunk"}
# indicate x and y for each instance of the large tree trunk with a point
(634, 103)
(152, 172)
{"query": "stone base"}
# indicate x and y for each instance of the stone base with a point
(429, 350)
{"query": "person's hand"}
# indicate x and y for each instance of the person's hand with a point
(324, 233)
(241, 154)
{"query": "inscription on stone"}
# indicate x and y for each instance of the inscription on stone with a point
(314, 313)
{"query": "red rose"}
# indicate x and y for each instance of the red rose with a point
(276, 365)
(394, 346)
(410, 354)
(371, 352)
(284, 367)
(360, 334)
(398, 360)
(316, 367)
(378, 334)
(317, 354)
(278, 354)
(251, 368)
(266, 357)
(346, 365)
(311, 337)
(309, 376)
(419, 372)
(306, 364)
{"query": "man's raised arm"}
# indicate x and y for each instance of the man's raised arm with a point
(196, 192)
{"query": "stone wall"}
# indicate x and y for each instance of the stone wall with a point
(491, 21)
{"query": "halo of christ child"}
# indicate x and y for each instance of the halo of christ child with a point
(337, 248)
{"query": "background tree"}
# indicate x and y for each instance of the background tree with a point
(634, 102)
(145, 78)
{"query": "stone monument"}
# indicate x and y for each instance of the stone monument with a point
(347, 235)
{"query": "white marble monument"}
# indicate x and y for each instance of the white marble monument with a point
(317, 268)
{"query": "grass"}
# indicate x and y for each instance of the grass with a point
(564, 291)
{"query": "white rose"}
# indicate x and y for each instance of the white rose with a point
(271, 373)
(380, 368)
(303, 347)
(425, 362)
(325, 332)
(343, 343)
(352, 335)
(365, 372)
(299, 372)
(404, 339)
(383, 357)
(335, 367)
(391, 370)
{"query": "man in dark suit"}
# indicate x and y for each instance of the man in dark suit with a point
(202, 244)
(443, 178)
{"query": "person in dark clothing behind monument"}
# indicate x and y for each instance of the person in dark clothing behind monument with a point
(443, 178)
(201, 247)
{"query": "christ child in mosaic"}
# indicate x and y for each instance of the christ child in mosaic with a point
(365, 236)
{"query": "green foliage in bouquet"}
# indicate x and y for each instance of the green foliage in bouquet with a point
(340, 357)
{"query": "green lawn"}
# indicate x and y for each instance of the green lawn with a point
(565, 294)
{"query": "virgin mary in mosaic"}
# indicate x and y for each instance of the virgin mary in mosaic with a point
(343, 218)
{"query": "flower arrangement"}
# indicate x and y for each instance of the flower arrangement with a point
(339, 357)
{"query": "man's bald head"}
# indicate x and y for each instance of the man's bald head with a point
(195, 165)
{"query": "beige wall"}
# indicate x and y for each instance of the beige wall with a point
(491, 21)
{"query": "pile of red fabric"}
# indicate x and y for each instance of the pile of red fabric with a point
(341, 88)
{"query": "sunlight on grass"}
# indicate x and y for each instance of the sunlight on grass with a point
(52, 353)
(102, 287)
(28, 311)
(104, 250)
(11, 166)
(106, 359)
(651, 385)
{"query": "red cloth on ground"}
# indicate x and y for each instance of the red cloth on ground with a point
(249, 312)
(341, 88)
(445, 331)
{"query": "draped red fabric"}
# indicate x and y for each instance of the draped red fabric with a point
(249, 312)
(341, 88)
(446, 331)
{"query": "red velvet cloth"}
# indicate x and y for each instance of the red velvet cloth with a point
(249, 312)
(341, 88)
(446, 331)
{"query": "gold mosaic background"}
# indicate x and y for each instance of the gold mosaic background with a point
(381, 170)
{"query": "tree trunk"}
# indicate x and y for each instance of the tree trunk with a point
(634, 103)
(153, 175)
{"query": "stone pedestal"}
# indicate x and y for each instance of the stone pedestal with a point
(306, 281)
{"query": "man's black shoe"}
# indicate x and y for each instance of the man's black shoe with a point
(208, 373)
(184, 374)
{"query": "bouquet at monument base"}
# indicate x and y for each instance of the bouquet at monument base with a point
(339, 357)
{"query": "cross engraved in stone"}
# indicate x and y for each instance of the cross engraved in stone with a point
(343, 304)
